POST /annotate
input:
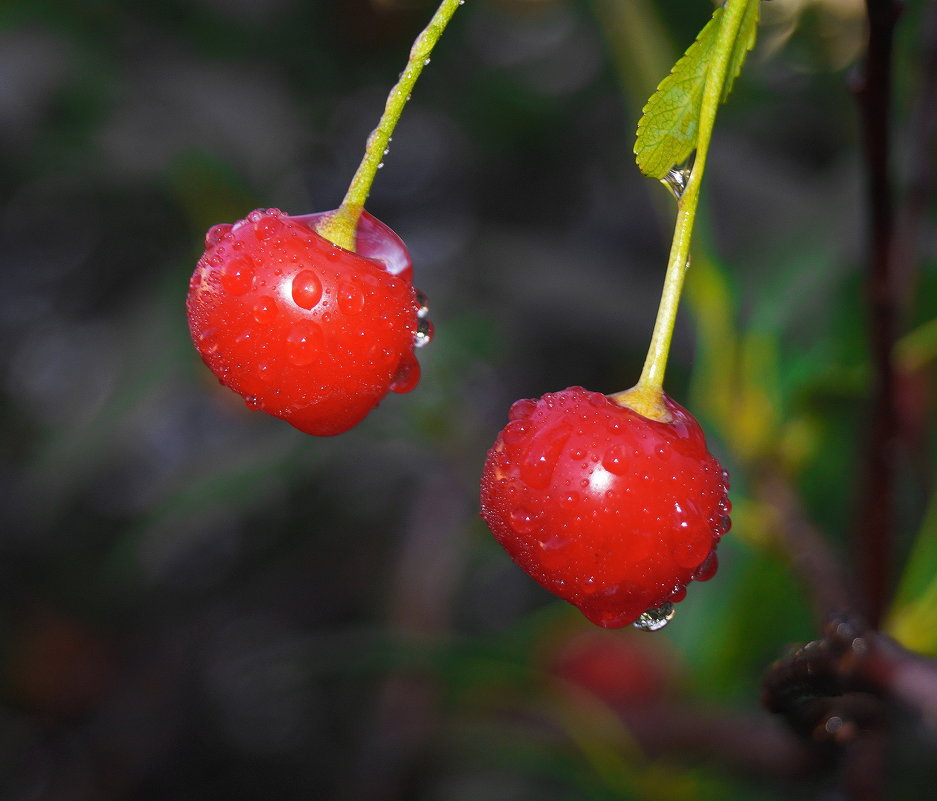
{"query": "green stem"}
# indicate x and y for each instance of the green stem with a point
(340, 227)
(646, 397)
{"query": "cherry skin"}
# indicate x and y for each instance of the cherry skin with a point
(301, 328)
(607, 509)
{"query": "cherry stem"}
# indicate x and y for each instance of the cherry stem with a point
(340, 226)
(646, 397)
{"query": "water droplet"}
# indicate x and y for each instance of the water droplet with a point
(521, 409)
(265, 310)
(350, 298)
(655, 619)
(678, 594)
(268, 227)
(522, 521)
(380, 165)
(707, 569)
(216, 234)
(304, 343)
(306, 290)
(676, 180)
(423, 304)
(615, 461)
(569, 499)
(424, 333)
(692, 547)
(426, 62)
(255, 216)
(677, 177)
(407, 375)
(252, 401)
(514, 432)
(237, 275)
(543, 455)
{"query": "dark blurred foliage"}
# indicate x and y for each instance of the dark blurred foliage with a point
(200, 602)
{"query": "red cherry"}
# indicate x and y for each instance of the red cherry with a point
(605, 508)
(301, 328)
(623, 671)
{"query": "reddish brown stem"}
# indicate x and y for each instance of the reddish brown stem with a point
(877, 482)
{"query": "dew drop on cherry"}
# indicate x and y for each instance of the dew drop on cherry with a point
(424, 333)
(304, 343)
(265, 310)
(306, 289)
(522, 521)
(423, 304)
(541, 459)
(615, 460)
(708, 568)
(407, 375)
(655, 619)
(521, 409)
(216, 233)
(350, 298)
(237, 275)
(269, 226)
(514, 432)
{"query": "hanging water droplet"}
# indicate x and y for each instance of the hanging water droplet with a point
(424, 333)
(422, 300)
(407, 375)
(677, 177)
(426, 62)
(675, 180)
(655, 619)
(380, 166)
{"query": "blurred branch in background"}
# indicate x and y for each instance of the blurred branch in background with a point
(875, 521)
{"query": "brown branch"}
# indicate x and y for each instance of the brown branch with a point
(848, 674)
(873, 526)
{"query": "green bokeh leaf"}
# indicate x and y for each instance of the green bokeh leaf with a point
(668, 128)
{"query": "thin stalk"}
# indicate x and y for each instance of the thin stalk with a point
(646, 397)
(340, 227)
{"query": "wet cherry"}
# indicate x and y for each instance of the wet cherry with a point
(301, 328)
(609, 510)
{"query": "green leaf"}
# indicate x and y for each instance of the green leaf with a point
(667, 131)
(744, 42)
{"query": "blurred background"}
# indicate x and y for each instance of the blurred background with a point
(200, 602)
